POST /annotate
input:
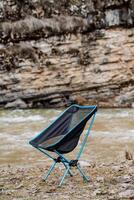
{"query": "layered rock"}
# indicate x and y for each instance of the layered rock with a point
(53, 54)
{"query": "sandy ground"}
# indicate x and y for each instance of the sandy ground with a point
(111, 181)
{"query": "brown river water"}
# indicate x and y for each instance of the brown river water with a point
(111, 134)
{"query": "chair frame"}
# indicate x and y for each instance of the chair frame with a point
(68, 164)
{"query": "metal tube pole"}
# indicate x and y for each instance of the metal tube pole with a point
(85, 139)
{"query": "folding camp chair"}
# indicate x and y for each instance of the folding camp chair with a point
(62, 136)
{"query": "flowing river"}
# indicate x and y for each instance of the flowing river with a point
(111, 134)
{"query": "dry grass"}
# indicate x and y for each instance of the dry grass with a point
(128, 155)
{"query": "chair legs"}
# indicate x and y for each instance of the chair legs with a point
(85, 178)
(49, 171)
(52, 168)
(64, 175)
(67, 164)
(67, 171)
(82, 173)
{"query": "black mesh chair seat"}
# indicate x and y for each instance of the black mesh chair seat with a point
(50, 141)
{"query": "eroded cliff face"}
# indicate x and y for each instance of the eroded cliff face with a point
(56, 53)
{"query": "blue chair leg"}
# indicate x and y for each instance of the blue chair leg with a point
(64, 175)
(69, 172)
(82, 174)
(49, 171)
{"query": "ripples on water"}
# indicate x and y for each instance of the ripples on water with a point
(113, 130)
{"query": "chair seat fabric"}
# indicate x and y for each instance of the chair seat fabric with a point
(53, 140)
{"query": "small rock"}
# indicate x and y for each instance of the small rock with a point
(19, 186)
(111, 192)
(18, 103)
(125, 179)
(117, 168)
(51, 190)
(100, 179)
(100, 191)
(128, 194)
(104, 61)
(126, 186)
(85, 163)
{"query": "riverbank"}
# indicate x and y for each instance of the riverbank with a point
(112, 181)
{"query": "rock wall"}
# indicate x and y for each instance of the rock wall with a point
(54, 53)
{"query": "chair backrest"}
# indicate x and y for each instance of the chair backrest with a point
(78, 114)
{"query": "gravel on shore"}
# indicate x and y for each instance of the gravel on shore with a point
(109, 181)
